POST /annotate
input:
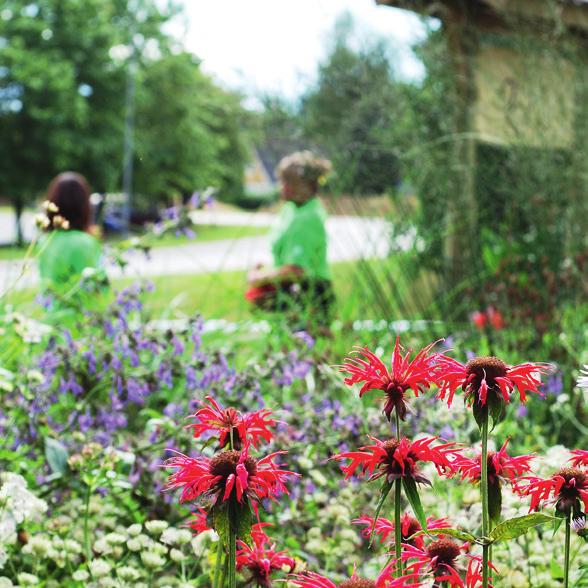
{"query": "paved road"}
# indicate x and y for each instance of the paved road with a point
(350, 238)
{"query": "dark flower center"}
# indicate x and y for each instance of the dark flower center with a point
(489, 368)
(393, 468)
(390, 447)
(259, 574)
(445, 550)
(395, 399)
(575, 480)
(410, 528)
(357, 583)
(225, 463)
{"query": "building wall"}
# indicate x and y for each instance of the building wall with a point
(524, 97)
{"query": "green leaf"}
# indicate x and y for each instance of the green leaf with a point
(497, 411)
(221, 522)
(518, 526)
(557, 521)
(385, 490)
(410, 488)
(478, 412)
(494, 502)
(494, 408)
(244, 521)
(457, 533)
(56, 455)
(557, 572)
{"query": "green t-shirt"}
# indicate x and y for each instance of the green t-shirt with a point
(299, 238)
(65, 254)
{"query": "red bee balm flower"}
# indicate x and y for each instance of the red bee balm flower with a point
(398, 458)
(384, 580)
(228, 474)
(369, 369)
(439, 560)
(385, 528)
(228, 422)
(484, 376)
(580, 458)
(200, 522)
(501, 466)
(262, 559)
(568, 488)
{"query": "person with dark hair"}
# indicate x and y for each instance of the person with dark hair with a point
(69, 247)
(300, 279)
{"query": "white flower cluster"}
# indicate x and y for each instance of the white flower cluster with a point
(17, 506)
(43, 221)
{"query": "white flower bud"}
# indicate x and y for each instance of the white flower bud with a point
(134, 530)
(80, 575)
(25, 579)
(128, 573)
(99, 568)
(152, 560)
(177, 555)
(156, 527)
(134, 544)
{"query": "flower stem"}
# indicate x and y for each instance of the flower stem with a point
(567, 553)
(87, 524)
(397, 425)
(217, 568)
(398, 526)
(232, 558)
(484, 492)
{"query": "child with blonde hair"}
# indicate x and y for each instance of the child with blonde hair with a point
(300, 277)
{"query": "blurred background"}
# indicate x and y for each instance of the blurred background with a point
(457, 132)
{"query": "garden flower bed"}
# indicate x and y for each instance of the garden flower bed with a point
(136, 455)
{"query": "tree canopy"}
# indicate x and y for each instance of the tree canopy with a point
(63, 74)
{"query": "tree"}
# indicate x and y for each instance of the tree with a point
(62, 89)
(349, 111)
(276, 130)
(188, 133)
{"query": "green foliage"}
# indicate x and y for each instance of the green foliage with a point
(384, 491)
(412, 493)
(350, 111)
(56, 455)
(456, 533)
(187, 131)
(513, 528)
(65, 70)
(494, 502)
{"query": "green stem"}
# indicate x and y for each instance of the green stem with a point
(232, 558)
(484, 492)
(398, 526)
(397, 425)
(87, 524)
(567, 553)
(217, 568)
(224, 574)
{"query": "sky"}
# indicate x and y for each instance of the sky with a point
(274, 46)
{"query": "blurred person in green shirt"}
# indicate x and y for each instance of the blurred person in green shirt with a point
(68, 247)
(300, 278)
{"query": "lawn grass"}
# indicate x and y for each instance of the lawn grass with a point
(203, 233)
(370, 295)
(377, 289)
(363, 291)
